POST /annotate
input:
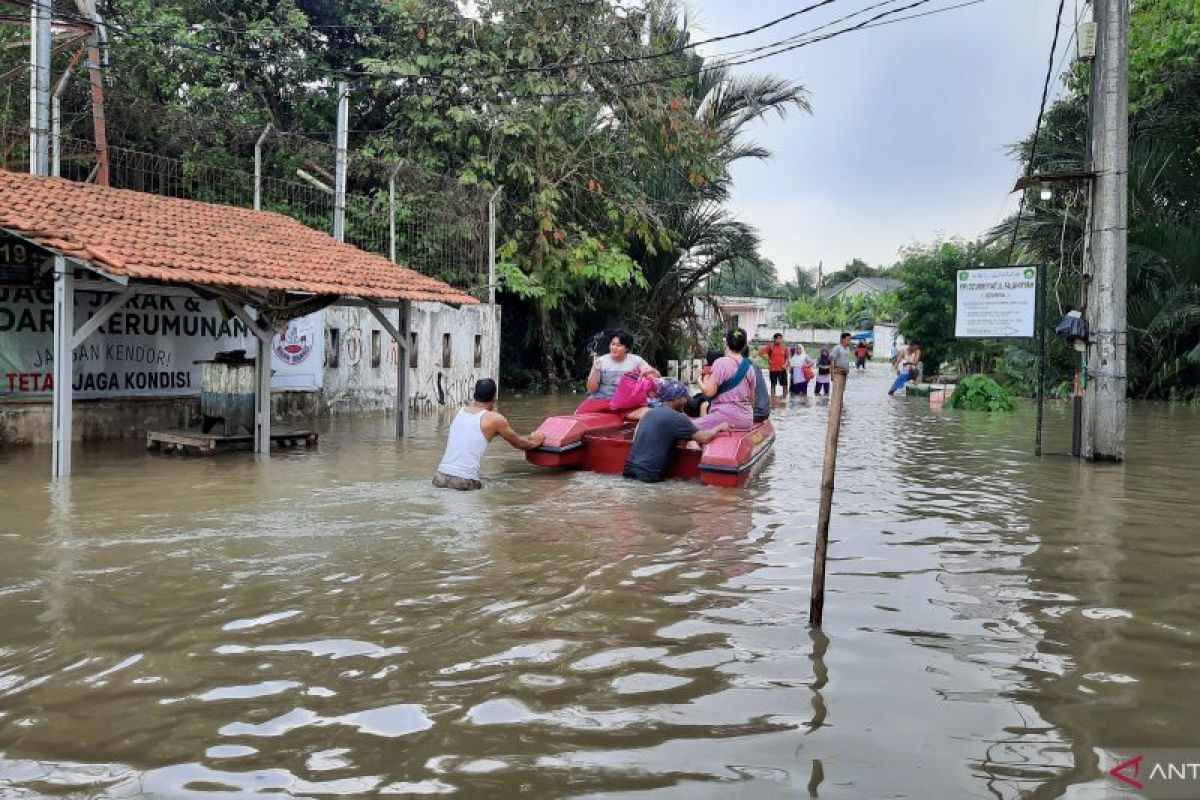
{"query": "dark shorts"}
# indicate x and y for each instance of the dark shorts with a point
(779, 378)
(443, 481)
(635, 472)
(862, 362)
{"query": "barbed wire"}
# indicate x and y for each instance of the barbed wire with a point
(438, 233)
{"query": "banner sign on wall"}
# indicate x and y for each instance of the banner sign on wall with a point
(146, 349)
(298, 352)
(996, 303)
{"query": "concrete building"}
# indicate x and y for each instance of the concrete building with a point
(159, 284)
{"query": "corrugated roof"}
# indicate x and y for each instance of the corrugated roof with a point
(149, 237)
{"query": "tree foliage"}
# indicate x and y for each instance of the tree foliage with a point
(1163, 268)
(614, 166)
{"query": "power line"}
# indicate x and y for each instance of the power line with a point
(332, 72)
(1037, 128)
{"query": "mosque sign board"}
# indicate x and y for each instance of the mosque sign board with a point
(996, 303)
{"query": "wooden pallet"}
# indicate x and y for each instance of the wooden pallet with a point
(196, 443)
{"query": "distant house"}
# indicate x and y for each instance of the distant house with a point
(859, 287)
(748, 313)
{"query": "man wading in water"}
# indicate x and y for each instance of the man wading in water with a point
(473, 427)
(658, 432)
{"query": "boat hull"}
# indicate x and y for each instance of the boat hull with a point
(601, 443)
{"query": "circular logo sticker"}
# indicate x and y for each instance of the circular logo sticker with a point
(962, 276)
(295, 342)
(1029, 273)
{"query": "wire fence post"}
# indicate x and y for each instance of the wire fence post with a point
(392, 213)
(258, 145)
(339, 183)
(492, 244)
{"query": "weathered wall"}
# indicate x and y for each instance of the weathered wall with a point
(29, 423)
(356, 385)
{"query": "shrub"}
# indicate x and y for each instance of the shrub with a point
(981, 393)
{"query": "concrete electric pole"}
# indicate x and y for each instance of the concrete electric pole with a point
(41, 16)
(340, 155)
(1104, 401)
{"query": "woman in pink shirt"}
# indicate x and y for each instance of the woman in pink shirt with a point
(731, 386)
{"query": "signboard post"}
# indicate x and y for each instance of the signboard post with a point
(1004, 303)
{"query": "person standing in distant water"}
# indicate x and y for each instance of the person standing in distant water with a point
(607, 371)
(470, 432)
(801, 366)
(841, 354)
(824, 363)
(731, 386)
(860, 356)
(776, 354)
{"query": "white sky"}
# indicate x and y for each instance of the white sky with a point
(910, 127)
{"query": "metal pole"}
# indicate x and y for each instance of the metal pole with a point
(392, 214)
(492, 245)
(816, 603)
(262, 394)
(99, 124)
(405, 320)
(1041, 375)
(64, 331)
(1104, 401)
(56, 114)
(339, 183)
(262, 137)
(39, 87)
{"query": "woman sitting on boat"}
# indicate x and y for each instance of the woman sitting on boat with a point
(607, 371)
(731, 385)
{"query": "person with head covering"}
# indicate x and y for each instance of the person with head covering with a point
(659, 431)
(802, 369)
(824, 372)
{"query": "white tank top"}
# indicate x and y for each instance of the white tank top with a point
(465, 446)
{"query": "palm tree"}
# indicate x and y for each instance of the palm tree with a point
(704, 235)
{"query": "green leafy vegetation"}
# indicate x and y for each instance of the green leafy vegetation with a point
(981, 393)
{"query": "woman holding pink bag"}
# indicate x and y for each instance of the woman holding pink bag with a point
(607, 371)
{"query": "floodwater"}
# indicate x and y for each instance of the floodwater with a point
(327, 624)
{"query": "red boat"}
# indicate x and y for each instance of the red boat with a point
(600, 442)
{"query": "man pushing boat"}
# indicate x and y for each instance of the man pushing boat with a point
(658, 432)
(470, 432)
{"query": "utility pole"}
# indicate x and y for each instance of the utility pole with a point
(40, 18)
(339, 177)
(820, 271)
(1104, 400)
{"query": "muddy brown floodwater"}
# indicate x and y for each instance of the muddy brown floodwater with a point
(327, 624)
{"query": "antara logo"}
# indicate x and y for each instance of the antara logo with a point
(1127, 772)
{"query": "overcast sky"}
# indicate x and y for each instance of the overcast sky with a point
(911, 124)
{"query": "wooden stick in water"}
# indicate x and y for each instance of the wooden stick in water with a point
(816, 604)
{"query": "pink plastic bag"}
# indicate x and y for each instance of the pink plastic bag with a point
(633, 390)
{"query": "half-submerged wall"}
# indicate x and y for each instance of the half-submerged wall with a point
(453, 348)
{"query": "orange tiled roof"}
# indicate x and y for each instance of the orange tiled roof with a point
(146, 236)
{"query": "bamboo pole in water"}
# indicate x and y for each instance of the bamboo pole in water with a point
(816, 603)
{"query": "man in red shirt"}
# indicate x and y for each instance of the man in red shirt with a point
(777, 354)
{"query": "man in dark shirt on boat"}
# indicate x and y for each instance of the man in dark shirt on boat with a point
(658, 432)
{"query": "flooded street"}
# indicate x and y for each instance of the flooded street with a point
(329, 625)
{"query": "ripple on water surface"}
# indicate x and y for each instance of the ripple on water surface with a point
(324, 624)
